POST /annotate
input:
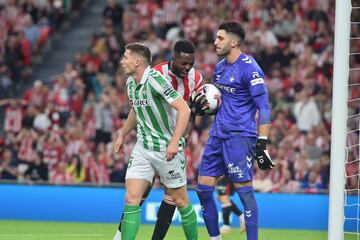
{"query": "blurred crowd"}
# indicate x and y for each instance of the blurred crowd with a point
(25, 28)
(63, 133)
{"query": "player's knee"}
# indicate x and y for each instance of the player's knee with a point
(181, 201)
(168, 199)
(204, 192)
(207, 180)
(133, 198)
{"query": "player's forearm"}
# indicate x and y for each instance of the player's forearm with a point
(263, 105)
(182, 118)
(190, 126)
(264, 130)
(129, 124)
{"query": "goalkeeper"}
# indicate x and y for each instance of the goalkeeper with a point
(185, 80)
(235, 141)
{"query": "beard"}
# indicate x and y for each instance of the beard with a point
(224, 51)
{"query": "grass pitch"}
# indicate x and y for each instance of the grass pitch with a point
(31, 230)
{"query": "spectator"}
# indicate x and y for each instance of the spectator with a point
(306, 112)
(313, 151)
(37, 95)
(14, 61)
(60, 176)
(27, 139)
(31, 31)
(13, 115)
(75, 169)
(104, 120)
(266, 36)
(61, 99)
(313, 183)
(296, 55)
(37, 170)
(114, 11)
(5, 81)
(8, 166)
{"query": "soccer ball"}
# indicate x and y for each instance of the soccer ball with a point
(213, 97)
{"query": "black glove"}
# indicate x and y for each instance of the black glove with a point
(262, 156)
(197, 104)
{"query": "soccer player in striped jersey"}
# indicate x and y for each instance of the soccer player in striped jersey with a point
(186, 80)
(160, 142)
(235, 139)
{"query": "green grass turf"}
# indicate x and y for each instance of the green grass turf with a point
(30, 230)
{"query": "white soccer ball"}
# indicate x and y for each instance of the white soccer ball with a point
(213, 97)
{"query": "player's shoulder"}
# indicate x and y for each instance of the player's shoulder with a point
(161, 66)
(153, 73)
(156, 76)
(249, 64)
(247, 61)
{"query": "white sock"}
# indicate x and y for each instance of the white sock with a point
(216, 238)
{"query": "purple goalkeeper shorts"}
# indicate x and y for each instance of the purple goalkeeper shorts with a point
(233, 157)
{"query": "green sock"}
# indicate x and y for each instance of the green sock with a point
(189, 222)
(131, 222)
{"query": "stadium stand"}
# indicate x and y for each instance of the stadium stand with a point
(56, 133)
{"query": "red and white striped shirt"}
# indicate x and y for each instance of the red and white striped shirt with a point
(13, 119)
(25, 151)
(185, 86)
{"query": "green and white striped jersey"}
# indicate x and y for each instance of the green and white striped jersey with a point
(156, 119)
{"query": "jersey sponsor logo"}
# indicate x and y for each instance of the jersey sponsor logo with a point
(172, 175)
(226, 88)
(257, 81)
(167, 89)
(235, 169)
(246, 59)
(140, 102)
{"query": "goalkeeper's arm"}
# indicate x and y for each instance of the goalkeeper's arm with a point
(262, 156)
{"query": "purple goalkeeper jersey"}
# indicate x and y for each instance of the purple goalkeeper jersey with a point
(238, 82)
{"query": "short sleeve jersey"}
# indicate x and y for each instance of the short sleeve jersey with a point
(238, 82)
(150, 100)
(192, 82)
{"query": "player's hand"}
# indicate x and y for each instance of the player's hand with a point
(119, 143)
(262, 155)
(172, 150)
(198, 104)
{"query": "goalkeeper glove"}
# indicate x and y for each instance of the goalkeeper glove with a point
(262, 155)
(197, 104)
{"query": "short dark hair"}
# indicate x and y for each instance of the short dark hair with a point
(184, 46)
(233, 27)
(140, 49)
